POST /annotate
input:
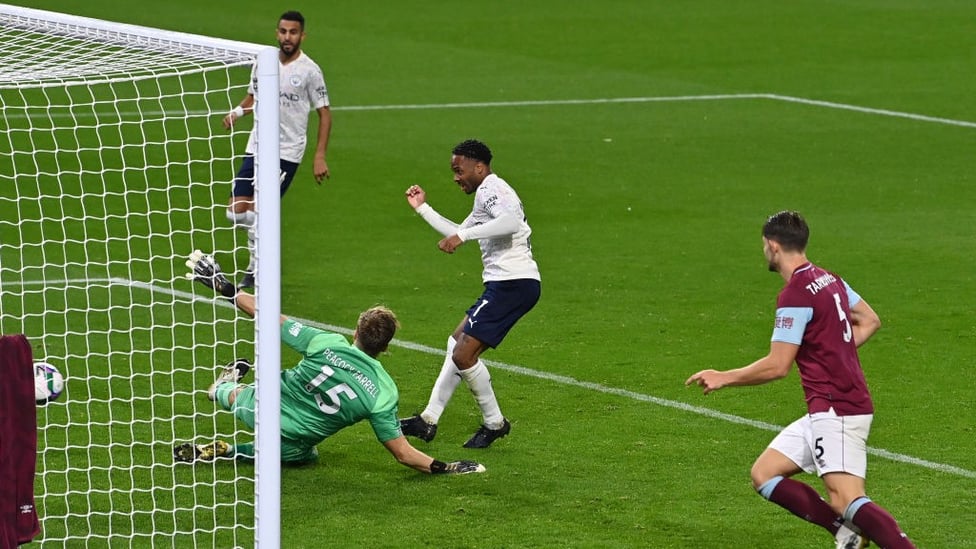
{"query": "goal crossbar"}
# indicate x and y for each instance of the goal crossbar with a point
(189, 48)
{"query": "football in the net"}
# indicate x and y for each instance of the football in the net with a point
(48, 382)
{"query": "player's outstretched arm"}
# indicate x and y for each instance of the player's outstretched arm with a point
(406, 454)
(205, 270)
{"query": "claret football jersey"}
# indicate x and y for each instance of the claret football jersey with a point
(814, 312)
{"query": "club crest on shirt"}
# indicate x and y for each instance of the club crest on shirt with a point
(295, 80)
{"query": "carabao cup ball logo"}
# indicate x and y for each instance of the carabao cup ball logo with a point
(48, 382)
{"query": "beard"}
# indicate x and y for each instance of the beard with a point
(288, 50)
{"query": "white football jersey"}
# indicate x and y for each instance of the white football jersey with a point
(301, 88)
(508, 257)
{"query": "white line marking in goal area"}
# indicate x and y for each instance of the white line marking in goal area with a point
(566, 380)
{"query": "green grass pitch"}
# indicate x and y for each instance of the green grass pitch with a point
(648, 141)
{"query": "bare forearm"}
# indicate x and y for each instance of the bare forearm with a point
(761, 371)
(407, 455)
(247, 103)
(325, 129)
(864, 322)
(247, 304)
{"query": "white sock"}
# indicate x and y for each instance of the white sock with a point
(447, 381)
(479, 381)
(246, 221)
(241, 220)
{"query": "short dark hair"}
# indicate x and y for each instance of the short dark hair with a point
(375, 329)
(474, 149)
(293, 15)
(789, 229)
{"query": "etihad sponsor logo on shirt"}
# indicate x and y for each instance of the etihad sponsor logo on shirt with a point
(490, 202)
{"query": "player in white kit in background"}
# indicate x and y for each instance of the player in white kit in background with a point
(301, 89)
(511, 281)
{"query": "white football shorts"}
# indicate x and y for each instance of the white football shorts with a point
(824, 443)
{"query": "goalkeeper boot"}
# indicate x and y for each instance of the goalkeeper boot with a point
(232, 373)
(189, 452)
(485, 436)
(849, 539)
(416, 426)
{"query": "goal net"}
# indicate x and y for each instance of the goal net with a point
(114, 166)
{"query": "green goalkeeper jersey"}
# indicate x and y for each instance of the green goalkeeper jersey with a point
(334, 386)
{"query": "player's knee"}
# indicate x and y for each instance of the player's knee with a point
(840, 501)
(240, 205)
(760, 475)
(463, 359)
(842, 489)
(757, 478)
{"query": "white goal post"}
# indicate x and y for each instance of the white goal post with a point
(114, 166)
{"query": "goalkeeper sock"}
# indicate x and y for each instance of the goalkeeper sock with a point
(444, 387)
(243, 451)
(479, 381)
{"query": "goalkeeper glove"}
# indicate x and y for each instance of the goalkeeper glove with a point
(456, 467)
(206, 271)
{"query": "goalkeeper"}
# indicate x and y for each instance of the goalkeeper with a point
(333, 386)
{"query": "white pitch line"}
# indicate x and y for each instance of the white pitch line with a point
(869, 110)
(556, 102)
(566, 380)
